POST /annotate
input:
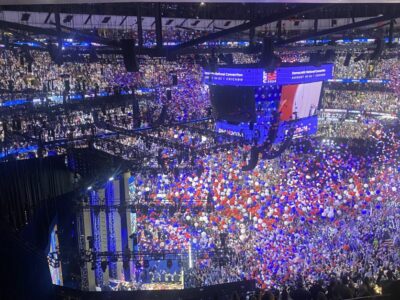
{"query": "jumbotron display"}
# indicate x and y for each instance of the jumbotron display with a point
(245, 100)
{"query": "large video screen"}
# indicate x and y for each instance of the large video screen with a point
(299, 101)
(258, 76)
(234, 104)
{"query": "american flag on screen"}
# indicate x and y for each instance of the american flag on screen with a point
(269, 77)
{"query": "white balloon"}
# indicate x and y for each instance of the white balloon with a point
(188, 218)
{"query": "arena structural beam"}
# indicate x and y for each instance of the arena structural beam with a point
(159, 37)
(391, 32)
(27, 28)
(139, 26)
(58, 29)
(279, 25)
(335, 30)
(247, 26)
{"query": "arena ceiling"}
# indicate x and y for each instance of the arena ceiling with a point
(235, 11)
(24, 2)
(214, 20)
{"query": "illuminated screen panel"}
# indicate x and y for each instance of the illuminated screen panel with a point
(299, 101)
(234, 76)
(303, 74)
(55, 268)
(257, 77)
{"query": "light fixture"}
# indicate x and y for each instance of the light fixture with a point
(89, 188)
(111, 178)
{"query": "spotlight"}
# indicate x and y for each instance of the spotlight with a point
(89, 188)
(111, 178)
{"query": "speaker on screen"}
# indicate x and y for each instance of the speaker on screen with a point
(129, 55)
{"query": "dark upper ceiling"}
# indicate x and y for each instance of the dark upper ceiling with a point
(238, 11)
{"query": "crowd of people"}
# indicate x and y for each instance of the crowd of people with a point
(361, 66)
(322, 217)
(316, 213)
(24, 70)
(363, 101)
